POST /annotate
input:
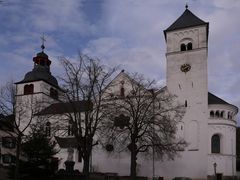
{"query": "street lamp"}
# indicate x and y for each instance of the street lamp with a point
(215, 170)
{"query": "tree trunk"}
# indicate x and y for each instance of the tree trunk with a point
(18, 150)
(133, 172)
(86, 164)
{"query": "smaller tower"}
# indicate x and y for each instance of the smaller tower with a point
(38, 89)
(39, 80)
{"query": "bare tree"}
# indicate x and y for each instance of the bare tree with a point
(144, 121)
(22, 111)
(7, 98)
(84, 81)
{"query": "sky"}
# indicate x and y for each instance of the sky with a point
(128, 33)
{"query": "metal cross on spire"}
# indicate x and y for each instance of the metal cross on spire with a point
(43, 40)
(186, 6)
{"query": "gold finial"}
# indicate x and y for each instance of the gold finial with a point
(43, 40)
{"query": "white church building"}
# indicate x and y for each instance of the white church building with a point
(208, 126)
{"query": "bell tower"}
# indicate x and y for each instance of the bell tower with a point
(39, 82)
(38, 89)
(186, 56)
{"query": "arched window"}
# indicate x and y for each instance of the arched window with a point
(185, 103)
(229, 115)
(48, 129)
(183, 47)
(122, 92)
(189, 46)
(215, 143)
(212, 114)
(217, 114)
(28, 89)
(53, 93)
(222, 114)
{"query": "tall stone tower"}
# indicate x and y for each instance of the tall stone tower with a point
(187, 50)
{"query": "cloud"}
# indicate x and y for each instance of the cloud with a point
(128, 32)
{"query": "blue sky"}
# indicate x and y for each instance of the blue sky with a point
(125, 32)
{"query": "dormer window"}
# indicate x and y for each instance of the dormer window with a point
(28, 89)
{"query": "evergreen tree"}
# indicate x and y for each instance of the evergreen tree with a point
(39, 152)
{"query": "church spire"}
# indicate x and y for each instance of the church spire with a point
(186, 20)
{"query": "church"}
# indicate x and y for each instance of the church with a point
(208, 126)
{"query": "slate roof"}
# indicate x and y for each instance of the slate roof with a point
(187, 19)
(212, 99)
(40, 73)
(67, 107)
(66, 142)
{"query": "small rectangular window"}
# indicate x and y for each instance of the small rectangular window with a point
(8, 158)
(8, 142)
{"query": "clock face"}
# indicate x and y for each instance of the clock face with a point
(185, 67)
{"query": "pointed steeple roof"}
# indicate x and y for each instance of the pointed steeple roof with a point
(187, 19)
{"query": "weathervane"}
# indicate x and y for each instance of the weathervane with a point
(43, 40)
